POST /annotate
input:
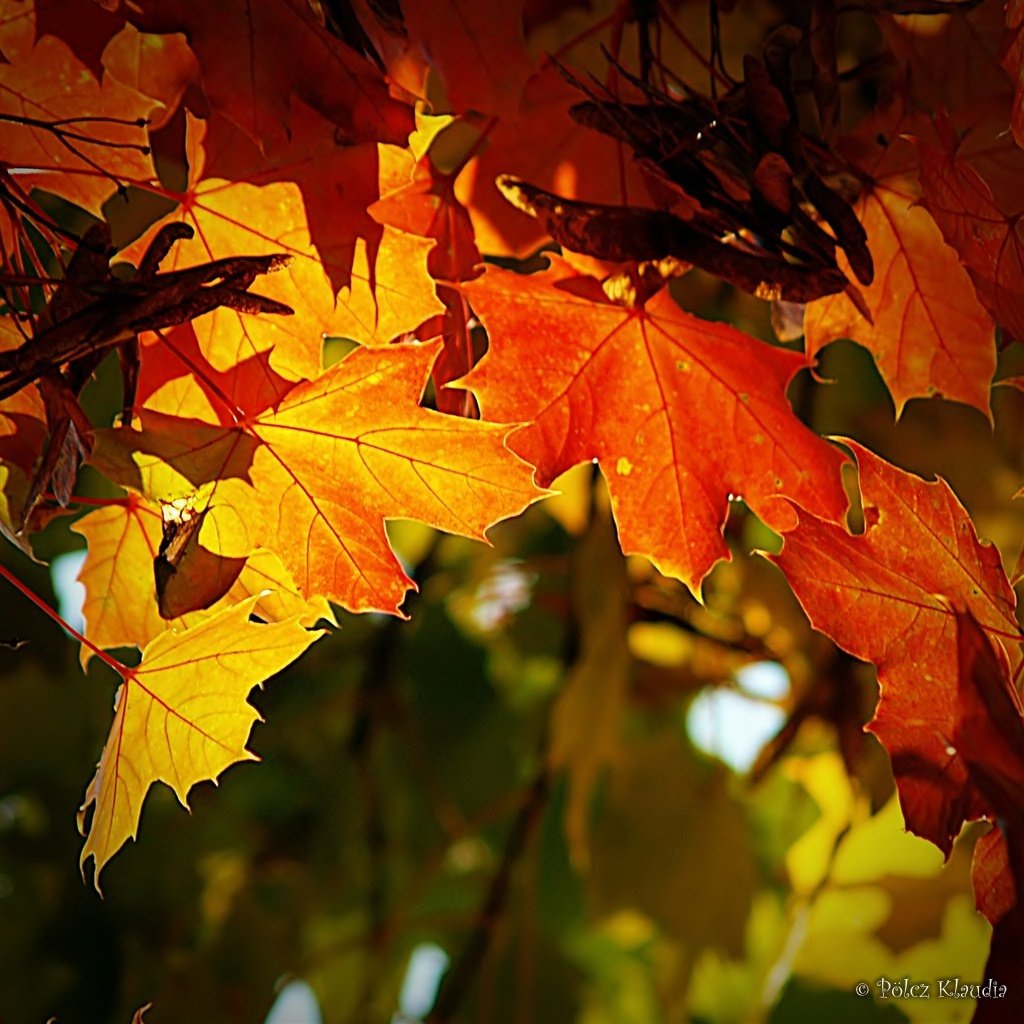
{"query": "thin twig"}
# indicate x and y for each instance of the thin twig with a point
(459, 979)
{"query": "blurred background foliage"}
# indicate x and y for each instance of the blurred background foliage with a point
(562, 771)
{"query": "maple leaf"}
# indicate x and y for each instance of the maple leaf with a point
(989, 736)
(72, 134)
(120, 597)
(991, 877)
(121, 608)
(181, 717)
(221, 215)
(681, 413)
(388, 290)
(950, 62)
(478, 49)
(929, 335)
(381, 272)
(885, 596)
(422, 200)
(514, 116)
(541, 144)
(22, 435)
(983, 225)
(339, 455)
(418, 198)
(242, 439)
(86, 29)
(92, 311)
(458, 355)
(989, 731)
(256, 57)
(1012, 59)
(176, 378)
(162, 67)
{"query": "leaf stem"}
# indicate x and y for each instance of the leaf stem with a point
(583, 36)
(120, 669)
(237, 414)
(666, 15)
(81, 499)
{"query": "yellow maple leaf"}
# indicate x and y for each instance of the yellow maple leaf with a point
(121, 607)
(181, 717)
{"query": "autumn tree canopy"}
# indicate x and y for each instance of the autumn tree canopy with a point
(680, 308)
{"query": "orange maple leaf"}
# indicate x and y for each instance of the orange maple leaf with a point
(65, 130)
(162, 67)
(387, 288)
(930, 335)
(885, 596)
(380, 272)
(87, 37)
(181, 717)
(176, 378)
(681, 413)
(418, 198)
(422, 201)
(315, 478)
(232, 217)
(543, 145)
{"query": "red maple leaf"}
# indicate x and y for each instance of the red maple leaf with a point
(477, 47)
(1012, 58)
(950, 62)
(87, 37)
(989, 736)
(886, 596)
(256, 57)
(972, 189)
(682, 414)
(514, 117)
